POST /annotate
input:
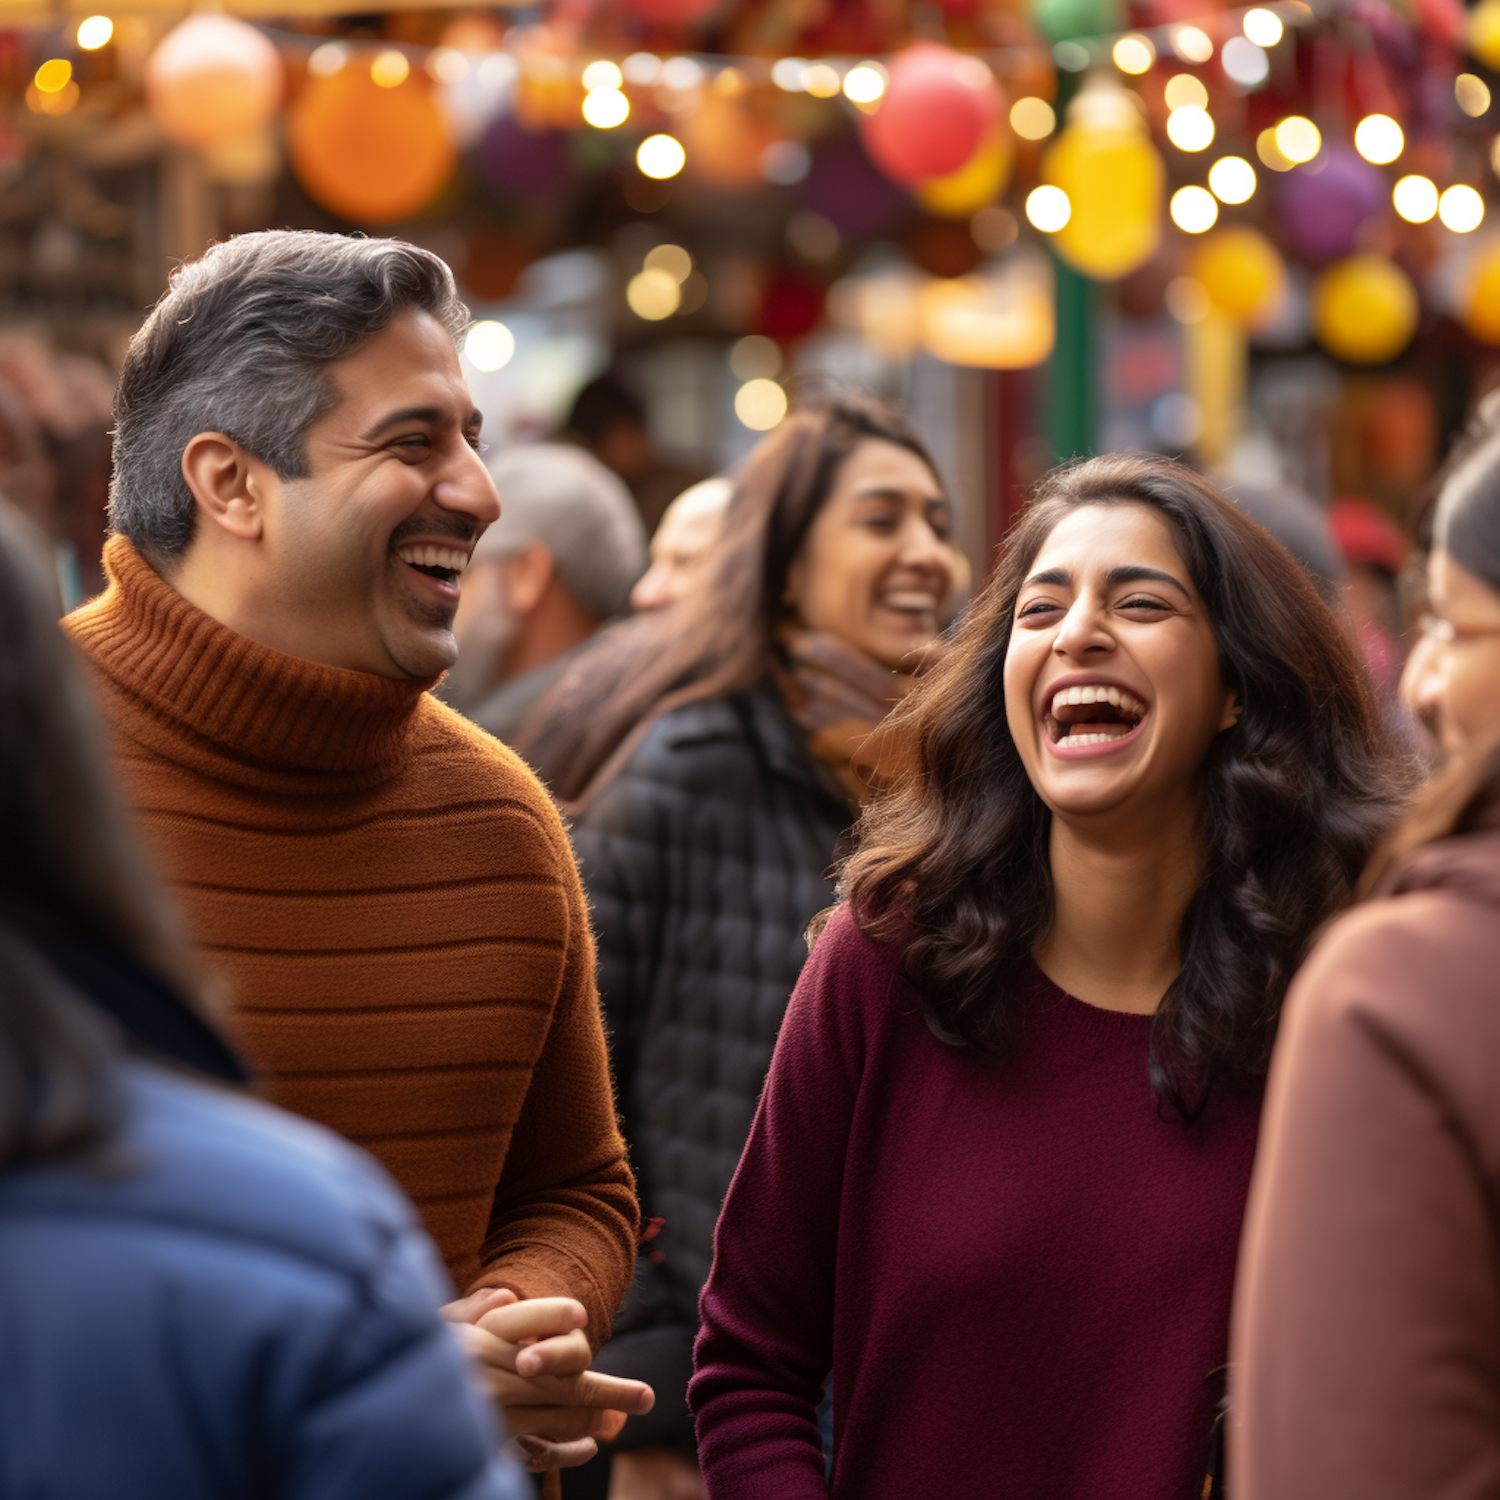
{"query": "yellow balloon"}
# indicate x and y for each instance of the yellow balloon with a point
(1241, 271)
(1114, 181)
(1484, 32)
(978, 182)
(1481, 314)
(1365, 309)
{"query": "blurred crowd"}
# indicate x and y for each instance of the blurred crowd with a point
(481, 808)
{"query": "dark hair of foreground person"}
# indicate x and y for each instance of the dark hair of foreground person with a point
(70, 870)
(718, 639)
(1292, 801)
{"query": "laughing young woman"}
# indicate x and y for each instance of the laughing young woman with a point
(996, 1180)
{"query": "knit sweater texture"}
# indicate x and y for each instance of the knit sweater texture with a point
(1018, 1274)
(392, 899)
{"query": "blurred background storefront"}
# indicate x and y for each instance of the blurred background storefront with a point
(1257, 236)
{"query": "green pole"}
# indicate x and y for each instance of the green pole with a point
(1072, 394)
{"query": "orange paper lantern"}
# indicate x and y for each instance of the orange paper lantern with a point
(725, 142)
(214, 79)
(370, 154)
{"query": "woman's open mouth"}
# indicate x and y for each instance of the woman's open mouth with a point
(1096, 714)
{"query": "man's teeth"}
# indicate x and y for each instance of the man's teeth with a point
(429, 556)
(1114, 696)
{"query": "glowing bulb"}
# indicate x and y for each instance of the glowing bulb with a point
(488, 346)
(760, 404)
(54, 75)
(821, 81)
(1194, 210)
(390, 69)
(1472, 93)
(1048, 208)
(1378, 139)
(1134, 54)
(672, 259)
(1263, 27)
(1232, 179)
(1298, 139)
(602, 74)
(1190, 128)
(1270, 153)
(1415, 198)
(326, 60)
(1032, 119)
(660, 156)
(95, 32)
(1461, 209)
(606, 108)
(1244, 62)
(864, 84)
(1184, 89)
(787, 74)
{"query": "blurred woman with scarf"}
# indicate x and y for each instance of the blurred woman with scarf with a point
(713, 755)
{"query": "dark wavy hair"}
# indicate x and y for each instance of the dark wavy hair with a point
(717, 640)
(954, 858)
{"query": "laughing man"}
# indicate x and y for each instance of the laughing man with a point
(387, 889)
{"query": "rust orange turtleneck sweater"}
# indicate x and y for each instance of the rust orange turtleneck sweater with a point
(393, 900)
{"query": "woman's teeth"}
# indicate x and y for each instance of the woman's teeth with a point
(910, 601)
(1095, 739)
(1115, 697)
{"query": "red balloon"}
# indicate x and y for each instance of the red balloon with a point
(939, 106)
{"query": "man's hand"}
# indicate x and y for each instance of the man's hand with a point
(534, 1360)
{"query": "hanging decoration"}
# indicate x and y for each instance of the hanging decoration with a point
(938, 108)
(843, 185)
(518, 163)
(1481, 296)
(214, 79)
(1242, 272)
(1365, 310)
(1324, 210)
(1113, 180)
(373, 153)
(726, 142)
(980, 181)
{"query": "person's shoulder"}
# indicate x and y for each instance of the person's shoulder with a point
(195, 1159)
(698, 750)
(856, 956)
(474, 766)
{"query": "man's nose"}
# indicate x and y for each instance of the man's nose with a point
(467, 489)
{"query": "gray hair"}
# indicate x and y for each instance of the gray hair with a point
(239, 344)
(581, 512)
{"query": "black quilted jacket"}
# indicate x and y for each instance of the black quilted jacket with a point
(704, 859)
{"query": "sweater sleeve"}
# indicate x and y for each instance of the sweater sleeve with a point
(1367, 1322)
(565, 1220)
(765, 1348)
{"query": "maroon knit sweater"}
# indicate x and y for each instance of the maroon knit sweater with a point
(1018, 1275)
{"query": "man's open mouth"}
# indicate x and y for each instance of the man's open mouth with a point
(1092, 715)
(442, 563)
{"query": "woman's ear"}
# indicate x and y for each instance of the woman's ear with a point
(227, 484)
(1231, 714)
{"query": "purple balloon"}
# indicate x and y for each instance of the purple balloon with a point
(518, 164)
(845, 187)
(1324, 207)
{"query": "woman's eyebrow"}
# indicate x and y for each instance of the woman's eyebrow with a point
(1059, 576)
(1138, 573)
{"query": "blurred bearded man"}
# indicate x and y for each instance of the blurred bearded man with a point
(387, 889)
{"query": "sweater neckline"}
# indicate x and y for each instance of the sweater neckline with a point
(249, 700)
(1053, 995)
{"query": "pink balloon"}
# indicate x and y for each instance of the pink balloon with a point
(938, 107)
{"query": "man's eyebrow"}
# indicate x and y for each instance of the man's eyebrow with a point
(429, 414)
(1139, 573)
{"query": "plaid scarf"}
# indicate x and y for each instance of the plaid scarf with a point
(837, 695)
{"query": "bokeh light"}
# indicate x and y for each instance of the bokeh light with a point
(653, 294)
(672, 259)
(821, 80)
(1379, 139)
(606, 108)
(1263, 27)
(1194, 210)
(864, 83)
(602, 74)
(1244, 63)
(54, 75)
(1472, 94)
(1184, 89)
(1048, 208)
(1192, 44)
(390, 68)
(755, 357)
(489, 346)
(660, 156)
(1032, 119)
(1461, 209)
(1232, 180)
(95, 32)
(1134, 54)
(760, 404)
(1298, 139)
(1190, 128)
(1415, 198)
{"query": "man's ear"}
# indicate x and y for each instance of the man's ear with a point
(228, 484)
(528, 576)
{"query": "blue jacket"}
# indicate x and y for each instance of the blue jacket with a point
(238, 1304)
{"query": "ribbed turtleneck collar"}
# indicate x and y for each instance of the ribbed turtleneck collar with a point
(255, 703)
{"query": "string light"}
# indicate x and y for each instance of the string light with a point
(653, 294)
(95, 32)
(1378, 139)
(390, 69)
(1461, 209)
(489, 346)
(1134, 54)
(1192, 44)
(606, 108)
(1190, 128)
(821, 80)
(865, 84)
(1048, 208)
(1032, 119)
(1232, 180)
(1263, 27)
(1194, 210)
(602, 74)
(660, 156)
(760, 404)
(1472, 94)
(1298, 139)
(1184, 89)
(54, 75)
(1415, 198)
